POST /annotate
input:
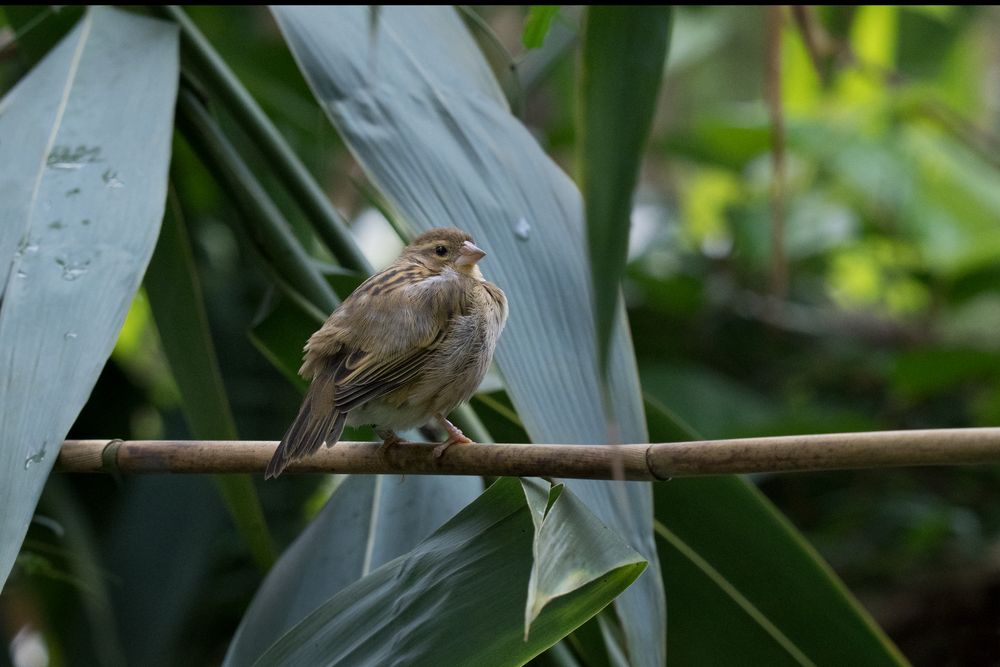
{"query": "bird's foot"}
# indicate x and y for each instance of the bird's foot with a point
(389, 440)
(455, 437)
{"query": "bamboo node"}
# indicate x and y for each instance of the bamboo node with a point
(648, 454)
(109, 457)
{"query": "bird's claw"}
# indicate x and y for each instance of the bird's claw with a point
(389, 440)
(455, 437)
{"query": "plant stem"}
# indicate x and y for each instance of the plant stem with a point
(328, 223)
(267, 226)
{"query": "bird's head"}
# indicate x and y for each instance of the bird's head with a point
(443, 248)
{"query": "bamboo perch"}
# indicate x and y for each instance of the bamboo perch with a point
(639, 462)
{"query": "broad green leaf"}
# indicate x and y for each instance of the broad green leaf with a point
(470, 577)
(624, 53)
(80, 209)
(536, 25)
(664, 425)
(369, 520)
(175, 299)
(731, 560)
(731, 141)
(416, 103)
(569, 550)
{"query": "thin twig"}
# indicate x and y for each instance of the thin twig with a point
(772, 85)
(817, 40)
(822, 321)
(640, 462)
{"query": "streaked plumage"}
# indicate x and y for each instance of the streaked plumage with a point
(407, 346)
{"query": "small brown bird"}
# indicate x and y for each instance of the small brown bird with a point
(408, 345)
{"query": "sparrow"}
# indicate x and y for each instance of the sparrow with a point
(406, 347)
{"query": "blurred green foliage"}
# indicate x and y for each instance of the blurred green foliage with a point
(892, 234)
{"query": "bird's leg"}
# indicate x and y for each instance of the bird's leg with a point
(389, 439)
(455, 436)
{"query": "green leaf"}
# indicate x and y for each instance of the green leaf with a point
(730, 559)
(175, 299)
(369, 520)
(624, 52)
(470, 577)
(571, 548)
(280, 332)
(419, 108)
(80, 209)
(664, 425)
(536, 25)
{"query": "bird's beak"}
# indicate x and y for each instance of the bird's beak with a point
(469, 254)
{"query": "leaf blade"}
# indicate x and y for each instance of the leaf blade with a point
(77, 243)
(536, 25)
(176, 302)
(766, 591)
(487, 546)
(570, 550)
(368, 521)
(624, 51)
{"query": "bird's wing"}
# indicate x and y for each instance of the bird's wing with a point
(381, 336)
(363, 376)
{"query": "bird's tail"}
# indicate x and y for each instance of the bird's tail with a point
(318, 421)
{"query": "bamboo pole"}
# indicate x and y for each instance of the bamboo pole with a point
(639, 462)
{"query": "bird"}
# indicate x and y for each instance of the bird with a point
(406, 347)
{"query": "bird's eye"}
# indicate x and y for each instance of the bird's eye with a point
(441, 251)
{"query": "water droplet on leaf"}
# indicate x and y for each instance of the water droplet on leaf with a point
(522, 229)
(110, 178)
(73, 267)
(68, 157)
(37, 457)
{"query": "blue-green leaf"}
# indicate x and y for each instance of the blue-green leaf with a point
(369, 520)
(80, 209)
